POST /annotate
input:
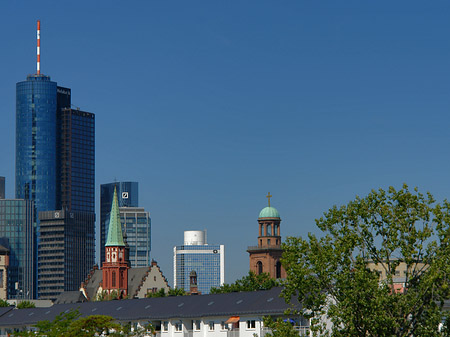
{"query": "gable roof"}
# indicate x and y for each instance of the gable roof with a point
(266, 302)
(71, 297)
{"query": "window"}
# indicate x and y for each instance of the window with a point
(165, 326)
(197, 325)
(251, 324)
(269, 230)
(223, 326)
(211, 325)
(259, 267)
(278, 269)
(179, 326)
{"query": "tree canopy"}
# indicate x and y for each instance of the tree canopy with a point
(251, 282)
(172, 292)
(26, 305)
(71, 324)
(332, 275)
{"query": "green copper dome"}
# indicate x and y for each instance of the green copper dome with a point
(115, 236)
(269, 212)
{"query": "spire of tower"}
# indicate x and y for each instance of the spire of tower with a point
(38, 65)
(115, 235)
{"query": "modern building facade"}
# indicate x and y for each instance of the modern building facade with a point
(65, 251)
(36, 142)
(76, 164)
(17, 234)
(127, 194)
(136, 225)
(266, 257)
(208, 261)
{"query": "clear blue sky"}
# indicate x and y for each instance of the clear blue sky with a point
(209, 105)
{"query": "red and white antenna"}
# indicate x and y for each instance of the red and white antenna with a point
(38, 47)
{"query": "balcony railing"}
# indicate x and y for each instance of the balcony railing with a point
(302, 331)
(233, 333)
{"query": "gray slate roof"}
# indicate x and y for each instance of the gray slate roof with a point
(70, 297)
(265, 302)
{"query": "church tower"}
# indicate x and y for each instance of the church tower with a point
(265, 258)
(115, 267)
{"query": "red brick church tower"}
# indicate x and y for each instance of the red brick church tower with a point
(265, 258)
(115, 268)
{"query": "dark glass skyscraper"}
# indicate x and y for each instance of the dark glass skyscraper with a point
(127, 193)
(77, 163)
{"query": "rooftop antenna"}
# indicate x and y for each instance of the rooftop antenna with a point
(38, 65)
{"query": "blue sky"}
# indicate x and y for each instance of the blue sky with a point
(209, 105)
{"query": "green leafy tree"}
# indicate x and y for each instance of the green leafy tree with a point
(176, 292)
(3, 303)
(331, 277)
(94, 325)
(58, 327)
(251, 282)
(26, 305)
(172, 292)
(279, 328)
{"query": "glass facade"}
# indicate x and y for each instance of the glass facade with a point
(77, 164)
(127, 193)
(136, 224)
(36, 141)
(206, 260)
(17, 234)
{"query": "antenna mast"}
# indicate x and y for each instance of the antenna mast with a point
(38, 47)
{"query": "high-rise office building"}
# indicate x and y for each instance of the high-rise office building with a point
(127, 194)
(55, 155)
(136, 224)
(65, 251)
(17, 234)
(208, 261)
(36, 142)
(77, 160)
